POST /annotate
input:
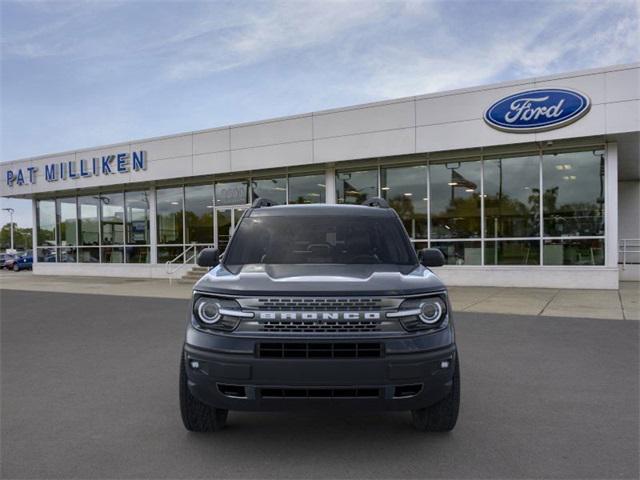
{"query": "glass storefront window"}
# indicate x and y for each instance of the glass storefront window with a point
(405, 188)
(512, 252)
(137, 218)
(67, 254)
(112, 255)
(274, 189)
(455, 199)
(573, 198)
(307, 188)
(112, 218)
(169, 208)
(460, 253)
(512, 197)
(232, 193)
(89, 255)
(88, 227)
(166, 254)
(137, 254)
(67, 220)
(47, 254)
(46, 218)
(356, 187)
(573, 252)
(198, 213)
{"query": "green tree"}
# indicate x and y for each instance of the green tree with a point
(21, 237)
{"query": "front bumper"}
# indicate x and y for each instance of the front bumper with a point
(227, 372)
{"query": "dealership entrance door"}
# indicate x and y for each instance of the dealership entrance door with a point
(227, 219)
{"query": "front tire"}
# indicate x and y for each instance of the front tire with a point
(16, 268)
(442, 416)
(198, 416)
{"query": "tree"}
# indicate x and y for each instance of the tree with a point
(21, 237)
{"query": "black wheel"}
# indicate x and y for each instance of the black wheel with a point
(442, 416)
(198, 416)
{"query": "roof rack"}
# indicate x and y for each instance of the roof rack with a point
(376, 202)
(263, 202)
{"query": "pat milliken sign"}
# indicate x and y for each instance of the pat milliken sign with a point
(115, 164)
(537, 110)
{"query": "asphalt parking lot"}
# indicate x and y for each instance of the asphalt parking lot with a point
(90, 390)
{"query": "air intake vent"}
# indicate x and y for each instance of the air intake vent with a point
(336, 392)
(320, 350)
(320, 326)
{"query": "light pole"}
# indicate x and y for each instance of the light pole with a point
(11, 212)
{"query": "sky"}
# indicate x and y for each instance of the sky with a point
(87, 73)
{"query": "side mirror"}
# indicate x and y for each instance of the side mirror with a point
(208, 257)
(431, 257)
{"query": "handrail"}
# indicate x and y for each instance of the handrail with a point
(628, 245)
(185, 261)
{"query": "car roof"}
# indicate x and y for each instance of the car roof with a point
(320, 209)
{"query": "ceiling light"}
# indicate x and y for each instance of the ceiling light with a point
(572, 177)
(321, 185)
(559, 167)
(566, 177)
(567, 166)
(175, 203)
(408, 194)
(425, 198)
(385, 188)
(469, 190)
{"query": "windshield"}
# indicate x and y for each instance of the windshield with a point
(339, 239)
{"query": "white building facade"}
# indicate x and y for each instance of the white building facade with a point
(531, 183)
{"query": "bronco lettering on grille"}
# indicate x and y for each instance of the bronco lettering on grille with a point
(319, 315)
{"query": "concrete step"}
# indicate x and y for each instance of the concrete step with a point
(192, 275)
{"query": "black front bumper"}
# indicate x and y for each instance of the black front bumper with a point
(412, 372)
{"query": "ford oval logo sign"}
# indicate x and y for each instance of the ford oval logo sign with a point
(537, 110)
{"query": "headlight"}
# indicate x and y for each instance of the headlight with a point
(422, 313)
(217, 313)
(431, 310)
(208, 310)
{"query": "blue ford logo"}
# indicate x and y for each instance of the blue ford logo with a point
(537, 110)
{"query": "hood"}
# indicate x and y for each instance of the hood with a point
(339, 280)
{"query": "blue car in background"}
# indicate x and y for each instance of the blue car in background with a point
(23, 262)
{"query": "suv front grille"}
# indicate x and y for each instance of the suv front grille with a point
(320, 326)
(318, 304)
(320, 392)
(320, 350)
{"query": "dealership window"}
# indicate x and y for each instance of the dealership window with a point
(169, 208)
(574, 251)
(512, 252)
(455, 199)
(46, 230)
(274, 189)
(137, 236)
(88, 229)
(573, 193)
(512, 196)
(67, 224)
(198, 214)
(463, 252)
(357, 186)
(307, 188)
(232, 193)
(405, 188)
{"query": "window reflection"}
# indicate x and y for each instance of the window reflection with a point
(512, 197)
(573, 198)
(232, 193)
(198, 213)
(88, 227)
(405, 188)
(67, 213)
(274, 189)
(460, 253)
(307, 188)
(356, 187)
(112, 218)
(512, 252)
(169, 207)
(137, 218)
(46, 218)
(574, 252)
(455, 199)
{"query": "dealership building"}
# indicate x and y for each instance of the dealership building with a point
(529, 183)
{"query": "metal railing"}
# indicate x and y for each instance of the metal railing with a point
(188, 256)
(629, 248)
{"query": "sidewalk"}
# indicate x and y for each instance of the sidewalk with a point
(623, 304)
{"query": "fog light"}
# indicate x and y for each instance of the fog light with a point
(444, 364)
(194, 364)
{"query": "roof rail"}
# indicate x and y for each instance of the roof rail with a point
(263, 202)
(376, 202)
